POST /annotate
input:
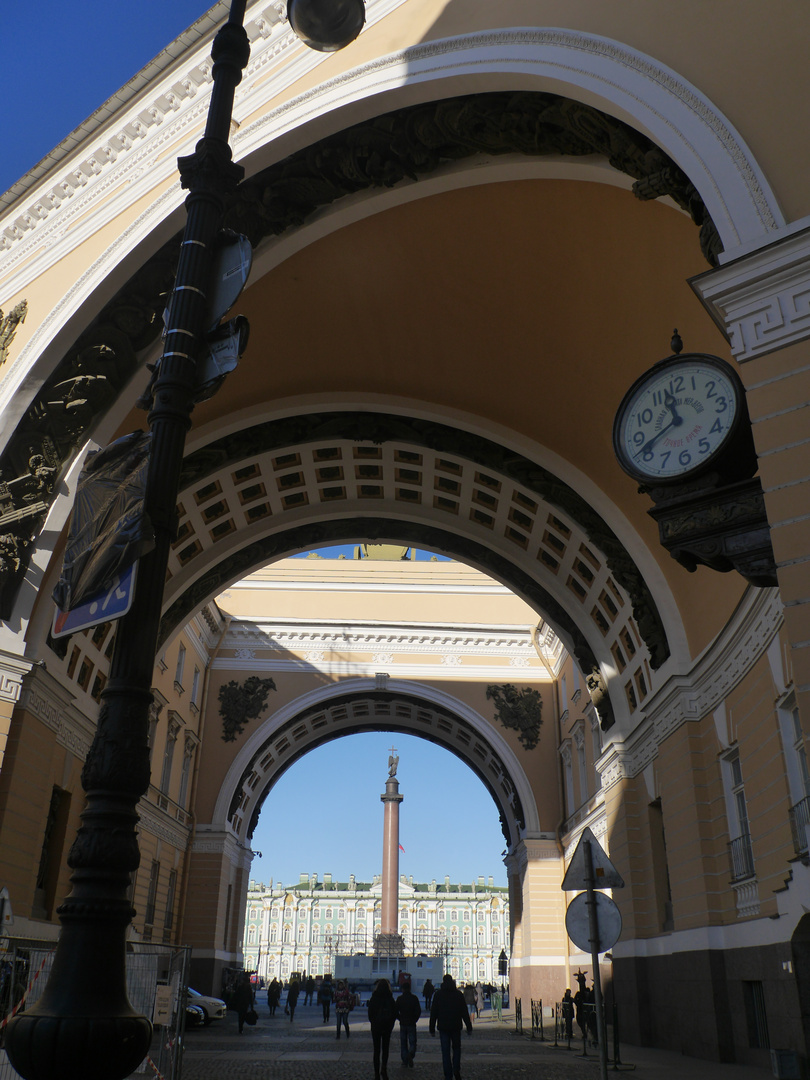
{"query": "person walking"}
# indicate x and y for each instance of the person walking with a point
(449, 1013)
(497, 1001)
(309, 990)
(408, 1012)
(479, 999)
(382, 1013)
(343, 1006)
(273, 996)
(568, 1014)
(292, 999)
(242, 1000)
(469, 998)
(325, 997)
(428, 992)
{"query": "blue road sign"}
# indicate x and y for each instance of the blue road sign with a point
(103, 608)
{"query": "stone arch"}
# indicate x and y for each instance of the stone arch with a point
(271, 489)
(358, 705)
(594, 71)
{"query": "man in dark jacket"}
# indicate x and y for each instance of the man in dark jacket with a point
(408, 1012)
(448, 1012)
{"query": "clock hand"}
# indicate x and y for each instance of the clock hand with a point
(669, 401)
(676, 421)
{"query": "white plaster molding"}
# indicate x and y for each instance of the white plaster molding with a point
(12, 671)
(251, 637)
(744, 639)
(209, 841)
(129, 152)
(369, 669)
(158, 824)
(762, 300)
(54, 706)
(598, 70)
(528, 851)
(747, 897)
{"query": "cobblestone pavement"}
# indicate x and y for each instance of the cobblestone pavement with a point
(306, 1049)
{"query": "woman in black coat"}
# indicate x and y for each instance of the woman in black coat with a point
(382, 1013)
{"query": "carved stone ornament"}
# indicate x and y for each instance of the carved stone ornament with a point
(722, 526)
(521, 710)
(406, 144)
(239, 704)
(8, 327)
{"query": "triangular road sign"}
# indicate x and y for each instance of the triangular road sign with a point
(605, 874)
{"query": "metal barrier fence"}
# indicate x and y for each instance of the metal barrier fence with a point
(537, 1020)
(24, 969)
(518, 1017)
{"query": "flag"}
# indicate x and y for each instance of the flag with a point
(402, 849)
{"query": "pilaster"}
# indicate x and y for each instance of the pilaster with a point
(762, 302)
(12, 671)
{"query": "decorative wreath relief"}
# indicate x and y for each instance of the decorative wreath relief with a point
(239, 704)
(520, 710)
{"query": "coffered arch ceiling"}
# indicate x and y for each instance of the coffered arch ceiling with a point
(277, 487)
(92, 381)
(358, 706)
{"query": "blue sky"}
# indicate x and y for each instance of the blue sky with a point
(325, 814)
(61, 63)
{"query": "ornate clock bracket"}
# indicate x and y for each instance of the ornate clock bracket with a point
(683, 430)
(722, 526)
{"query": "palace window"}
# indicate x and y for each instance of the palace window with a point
(168, 921)
(151, 895)
(742, 854)
(181, 663)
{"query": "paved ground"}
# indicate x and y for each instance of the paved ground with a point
(307, 1050)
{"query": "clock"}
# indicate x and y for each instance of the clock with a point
(683, 417)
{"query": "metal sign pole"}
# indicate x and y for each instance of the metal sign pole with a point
(593, 927)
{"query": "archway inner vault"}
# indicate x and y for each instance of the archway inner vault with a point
(307, 481)
(361, 705)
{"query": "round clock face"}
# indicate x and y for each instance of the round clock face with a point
(676, 418)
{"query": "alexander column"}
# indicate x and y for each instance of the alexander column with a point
(389, 941)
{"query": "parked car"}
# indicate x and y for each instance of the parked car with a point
(213, 1007)
(195, 1016)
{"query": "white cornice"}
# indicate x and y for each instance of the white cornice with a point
(54, 706)
(357, 669)
(762, 300)
(156, 823)
(125, 150)
(697, 693)
(12, 671)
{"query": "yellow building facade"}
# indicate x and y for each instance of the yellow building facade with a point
(473, 230)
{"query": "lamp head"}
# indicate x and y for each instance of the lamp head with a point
(326, 25)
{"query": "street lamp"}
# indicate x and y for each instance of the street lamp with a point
(83, 1027)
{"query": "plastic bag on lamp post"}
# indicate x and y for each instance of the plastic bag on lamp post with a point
(109, 527)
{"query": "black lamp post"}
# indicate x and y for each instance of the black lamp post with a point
(83, 1027)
